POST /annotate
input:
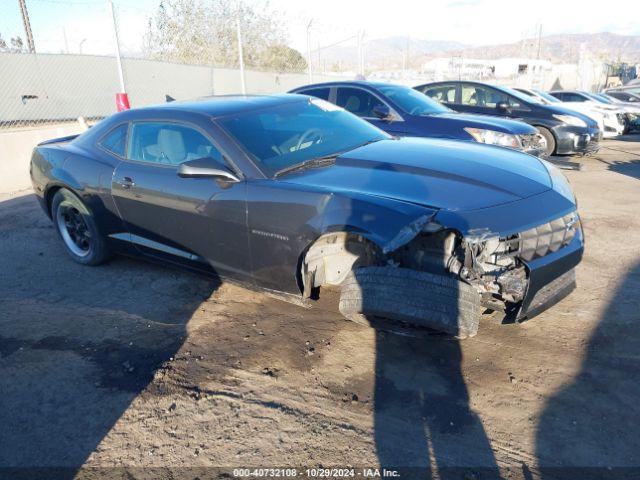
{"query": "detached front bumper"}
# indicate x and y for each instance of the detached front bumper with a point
(551, 278)
(577, 140)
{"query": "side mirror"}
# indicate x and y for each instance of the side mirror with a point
(382, 112)
(205, 167)
(503, 107)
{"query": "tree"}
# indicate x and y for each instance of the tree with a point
(16, 45)
(283, 59)
(205, 32)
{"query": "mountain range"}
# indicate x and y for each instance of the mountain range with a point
(394, 52)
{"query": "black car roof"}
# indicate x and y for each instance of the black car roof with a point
(346, 83)
(219, 106)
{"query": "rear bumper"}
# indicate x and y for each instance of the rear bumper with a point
(551, 278)
(576, 140)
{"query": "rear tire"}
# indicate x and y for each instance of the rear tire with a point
(77, 229)
(551, 141)
(418, 298)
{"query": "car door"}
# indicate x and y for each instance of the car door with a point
(361, 102)
(197, 219)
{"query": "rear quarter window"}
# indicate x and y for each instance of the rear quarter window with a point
(322, 93)
(116, 140)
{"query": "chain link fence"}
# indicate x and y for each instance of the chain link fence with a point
(193, 48)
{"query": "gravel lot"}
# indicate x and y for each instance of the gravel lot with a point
(137, 365)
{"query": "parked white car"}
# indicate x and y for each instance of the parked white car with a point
(631, 109)
(577, 98)
(609, 122)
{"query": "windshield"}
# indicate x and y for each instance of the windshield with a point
(597, 98)
(284, 135)
(610, 98)
(604, 98)
(550, 98)
(412, 101)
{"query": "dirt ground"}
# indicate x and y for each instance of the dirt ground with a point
(137, 365)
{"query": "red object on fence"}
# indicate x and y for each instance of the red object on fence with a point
(122, 101)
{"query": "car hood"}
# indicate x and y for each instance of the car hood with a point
(436, 173)
(568, 111)
(583, 108)
(487, 122)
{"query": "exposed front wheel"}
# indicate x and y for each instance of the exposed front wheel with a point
(77, 229)
(550, 139)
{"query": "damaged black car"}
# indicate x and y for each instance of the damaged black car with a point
(293, 195)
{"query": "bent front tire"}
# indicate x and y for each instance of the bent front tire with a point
(77, 228)
(417, 298)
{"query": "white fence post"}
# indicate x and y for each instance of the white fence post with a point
(117, 44)
(241, 57)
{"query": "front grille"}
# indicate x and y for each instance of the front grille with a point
(541, 240)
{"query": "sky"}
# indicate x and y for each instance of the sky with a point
(85, 25)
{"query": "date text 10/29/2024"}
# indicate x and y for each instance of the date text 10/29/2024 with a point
(315, 473)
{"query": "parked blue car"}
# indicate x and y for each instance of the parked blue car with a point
(402, 111)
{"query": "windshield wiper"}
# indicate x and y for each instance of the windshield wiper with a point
(320, 161)
(311, 163)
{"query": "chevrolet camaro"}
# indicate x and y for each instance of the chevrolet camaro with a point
(292, 194)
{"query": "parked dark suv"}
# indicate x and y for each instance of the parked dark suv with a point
(402, 111)
(566, 131)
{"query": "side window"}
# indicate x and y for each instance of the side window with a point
(357, 101)
(116, 140)
(625, 97)
(481, 96)
(573, 97)
(442, 94)
(559, 96)
(322, 93)
(169, 144)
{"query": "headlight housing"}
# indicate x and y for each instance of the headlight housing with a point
(492, 137)
(570, 120)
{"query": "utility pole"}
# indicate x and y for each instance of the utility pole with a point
(539, 40)
(66, 43)
(309, 68)
(27, 26)
(361, 52)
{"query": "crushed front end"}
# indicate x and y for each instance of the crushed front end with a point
(526, 272)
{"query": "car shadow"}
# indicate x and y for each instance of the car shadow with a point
(629, 137)
(589, 428)
(629, 168)
(424, 426)
(77, 344)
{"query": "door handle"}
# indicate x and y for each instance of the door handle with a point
(127, 182)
